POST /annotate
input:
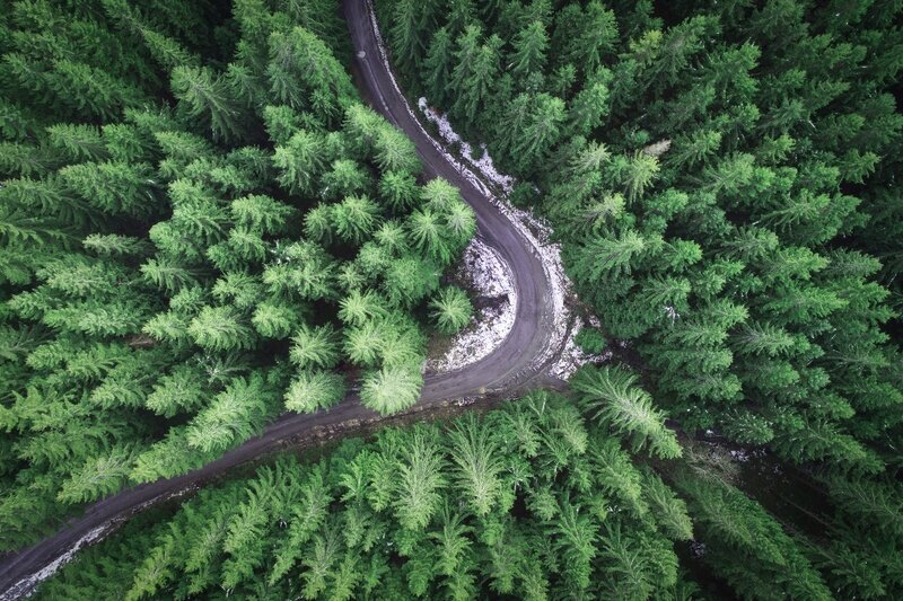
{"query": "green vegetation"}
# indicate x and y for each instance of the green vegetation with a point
(725, 181)
(202, 226)
(529, 501)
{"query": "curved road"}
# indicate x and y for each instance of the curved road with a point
(512, 364)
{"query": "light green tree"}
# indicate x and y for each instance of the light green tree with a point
(391, 389)
(451, 309)
(312, 391)
(614, 399)
(314, 347)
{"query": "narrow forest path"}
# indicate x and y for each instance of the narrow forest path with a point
(524, 355)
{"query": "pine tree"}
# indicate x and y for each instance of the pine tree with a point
(345, 178)
(637, 175)
(314, 347)
(181, 390)
(452, 310)
(410, 279)
(419, 480)
(356, 217)
(395, 152)
(609, 258)
(428, 235)
(304, 74)
(669, 510)
(277, 320)
(575, 534)
(112, 187)
(299, 161)
(475, 71)
(755, 555)
(207, 95)
(392, 237)
(302, 270)
(476, 455)
(398, 190)
(530, 47)
(392, 389)
(312, 391)
(361, 307)
(77, 142)
(308, 517)
(437, 70)
(584, 37)
(590, 105)
(261, 212)
(98, 476)
(626, 564)
(543, 129)
(362, 344)
(617, 403)
(221, 329)
(237, 413)
(412, 26)
(155, 572)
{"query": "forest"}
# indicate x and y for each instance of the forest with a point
(204, 226)
(202, 249)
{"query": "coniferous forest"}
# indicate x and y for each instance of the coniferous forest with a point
(204, 225)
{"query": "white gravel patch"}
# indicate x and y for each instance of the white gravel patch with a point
(27, 585)
(484, 164)
(489, 276)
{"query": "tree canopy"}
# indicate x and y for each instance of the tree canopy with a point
(185, 190)
(203, 226)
